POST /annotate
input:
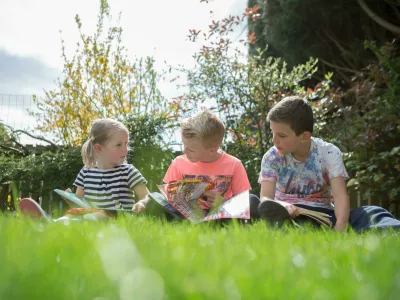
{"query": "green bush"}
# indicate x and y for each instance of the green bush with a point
(363, 121)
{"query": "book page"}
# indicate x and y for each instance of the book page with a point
(74, 199)
(237, 207)
(322, 218)
(183, 194)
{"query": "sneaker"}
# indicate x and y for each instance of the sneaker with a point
(32, 210)
(273, 212)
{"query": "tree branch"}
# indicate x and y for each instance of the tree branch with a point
(338, 67)
(35, 137)
(334, 40)
(13, 150)
(385, 24)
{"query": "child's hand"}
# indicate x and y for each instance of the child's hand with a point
(340, 227)
(213, 196)
(203, 204)
(139, 206)
(293, 210)
(68, 190)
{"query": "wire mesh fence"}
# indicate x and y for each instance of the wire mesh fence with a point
(15, 111)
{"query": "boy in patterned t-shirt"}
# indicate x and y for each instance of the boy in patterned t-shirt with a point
(308, 173)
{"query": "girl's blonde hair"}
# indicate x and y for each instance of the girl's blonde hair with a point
(100, 133)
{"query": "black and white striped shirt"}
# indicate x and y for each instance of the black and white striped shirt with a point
(110, 188)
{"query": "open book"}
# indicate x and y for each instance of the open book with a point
(75, 201)
(322, 218)
(180, 199)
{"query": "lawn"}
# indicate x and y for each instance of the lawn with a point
(143, 258)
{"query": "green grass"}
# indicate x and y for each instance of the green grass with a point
(140, 258)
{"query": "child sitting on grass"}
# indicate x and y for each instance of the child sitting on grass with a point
(309, 173)
(106, 180)
(202, 137)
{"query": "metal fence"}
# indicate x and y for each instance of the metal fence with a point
(15, 111)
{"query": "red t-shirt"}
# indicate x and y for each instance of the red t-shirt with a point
(227, 173)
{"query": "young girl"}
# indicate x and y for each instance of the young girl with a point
(105, 180)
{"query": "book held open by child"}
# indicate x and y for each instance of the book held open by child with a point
(322, 218)
(180, 199)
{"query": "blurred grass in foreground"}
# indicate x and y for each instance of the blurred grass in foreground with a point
(143, 258)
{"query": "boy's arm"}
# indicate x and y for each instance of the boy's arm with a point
(267, 190)
(341, 201)
(240, 183)
(268, 193)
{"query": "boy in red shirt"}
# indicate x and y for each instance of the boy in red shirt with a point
(202, 137)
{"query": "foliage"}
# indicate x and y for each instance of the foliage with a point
(57, 169)
(243, 92)
(4, 135)
(7, 145)
(242, 89)
(44, 169)
(99, 81)
(332, 31)
(364, 121)
(360, 117)
(149, 153)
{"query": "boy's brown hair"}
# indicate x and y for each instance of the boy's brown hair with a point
(206, 127)
(294, 111)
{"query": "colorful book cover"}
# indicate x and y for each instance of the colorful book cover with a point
(74, 200)
(181, 196)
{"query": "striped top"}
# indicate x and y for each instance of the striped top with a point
(110, 188)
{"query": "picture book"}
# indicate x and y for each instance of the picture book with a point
(180, 198)
(322, 218)
(75, 201)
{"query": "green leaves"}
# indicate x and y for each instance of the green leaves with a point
(242, 89)
(99, 82)
(362, 121)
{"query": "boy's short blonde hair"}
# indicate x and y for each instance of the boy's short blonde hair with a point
(204, 126)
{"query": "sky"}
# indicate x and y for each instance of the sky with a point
(31, 32)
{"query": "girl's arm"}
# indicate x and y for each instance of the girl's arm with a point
(141, 192)
(80, 192)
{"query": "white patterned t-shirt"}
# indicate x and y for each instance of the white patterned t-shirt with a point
(304, 182)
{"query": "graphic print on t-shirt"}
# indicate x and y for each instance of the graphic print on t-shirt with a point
(306, 182)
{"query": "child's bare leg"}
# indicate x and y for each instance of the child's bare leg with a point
(97, 216)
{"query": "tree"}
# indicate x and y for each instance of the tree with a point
(10, 141)
(364, 122)
(332, 31)
(99, 81)
(241, 88)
